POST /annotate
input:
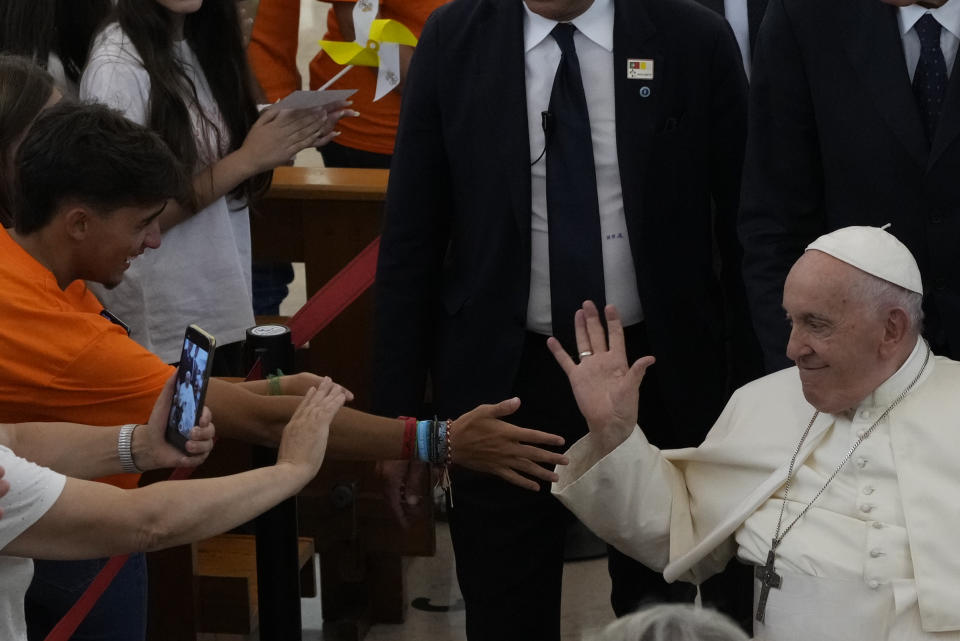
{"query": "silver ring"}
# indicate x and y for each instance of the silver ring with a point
(586, 353)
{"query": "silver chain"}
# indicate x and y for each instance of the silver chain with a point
(777, 537)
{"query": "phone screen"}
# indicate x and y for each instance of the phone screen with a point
(190, 386)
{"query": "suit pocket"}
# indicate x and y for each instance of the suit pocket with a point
(671, 126)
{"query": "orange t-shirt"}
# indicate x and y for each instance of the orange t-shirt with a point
(60, 360)
(375, 130)
(272, 51)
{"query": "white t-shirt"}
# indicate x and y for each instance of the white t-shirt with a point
(33, 491)
(201, 273)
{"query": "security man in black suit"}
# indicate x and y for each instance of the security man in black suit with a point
(551, 151)
(854, 120)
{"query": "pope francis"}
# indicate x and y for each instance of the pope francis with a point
(839, 479)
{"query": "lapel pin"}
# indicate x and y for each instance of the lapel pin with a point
(639, 69)
(644, 92)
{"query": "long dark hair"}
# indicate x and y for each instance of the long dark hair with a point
(77, 23)
(24, 89)
(213, 33)
(37, 28)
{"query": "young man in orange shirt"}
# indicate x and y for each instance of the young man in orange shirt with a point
(91, 186)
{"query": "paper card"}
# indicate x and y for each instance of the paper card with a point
(313, 99)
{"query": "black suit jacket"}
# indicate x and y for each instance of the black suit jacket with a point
(755, 11)
(836, 139)
(454, 271)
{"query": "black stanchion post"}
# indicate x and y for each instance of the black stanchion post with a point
(278, 563)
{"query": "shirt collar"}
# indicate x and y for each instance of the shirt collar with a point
(891, 388)
(596, 23)
(948, 16)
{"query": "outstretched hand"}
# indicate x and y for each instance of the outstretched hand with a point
(483, 443)
(606, 387)
(304, 440)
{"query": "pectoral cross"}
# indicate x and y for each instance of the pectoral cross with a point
(768, 579)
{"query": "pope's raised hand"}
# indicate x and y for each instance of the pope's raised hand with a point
(605, 385)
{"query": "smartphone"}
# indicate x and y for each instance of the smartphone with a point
(190, 388)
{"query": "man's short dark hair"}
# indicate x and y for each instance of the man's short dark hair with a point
(91, 154)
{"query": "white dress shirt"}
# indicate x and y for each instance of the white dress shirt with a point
(949, 18)
(735, 11)
(594, 43)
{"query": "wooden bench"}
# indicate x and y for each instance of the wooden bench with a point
(227, 582)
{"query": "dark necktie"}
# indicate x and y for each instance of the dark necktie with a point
(573, 214)
(930, 78)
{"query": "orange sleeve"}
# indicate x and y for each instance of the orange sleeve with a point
(113, 380)
(273, 47)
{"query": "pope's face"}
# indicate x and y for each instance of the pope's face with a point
(835, 336)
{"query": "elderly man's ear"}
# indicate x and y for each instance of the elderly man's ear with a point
(896, 330)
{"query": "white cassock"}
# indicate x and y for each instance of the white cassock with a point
(188, 404)
(876, 558)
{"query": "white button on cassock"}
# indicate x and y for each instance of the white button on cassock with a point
(868, 490)
(865, 507)
(876, 552)
(873, 584)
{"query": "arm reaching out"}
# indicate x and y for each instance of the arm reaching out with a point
(91, 520)
(86, 452)
(273, 140)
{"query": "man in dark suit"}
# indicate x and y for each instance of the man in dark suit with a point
(744, 17)
(854, 120)
(470, 283)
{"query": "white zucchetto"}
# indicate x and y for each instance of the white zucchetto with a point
(875, 251)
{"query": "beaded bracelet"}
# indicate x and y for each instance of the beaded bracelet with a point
(432, 440)
(423, 440)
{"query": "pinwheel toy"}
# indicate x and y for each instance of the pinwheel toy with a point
(377, 45)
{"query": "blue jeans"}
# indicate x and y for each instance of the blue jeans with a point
(119, 615)
(270, 282)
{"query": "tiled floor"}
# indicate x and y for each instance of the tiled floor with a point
(586, 607)
(586, 586)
